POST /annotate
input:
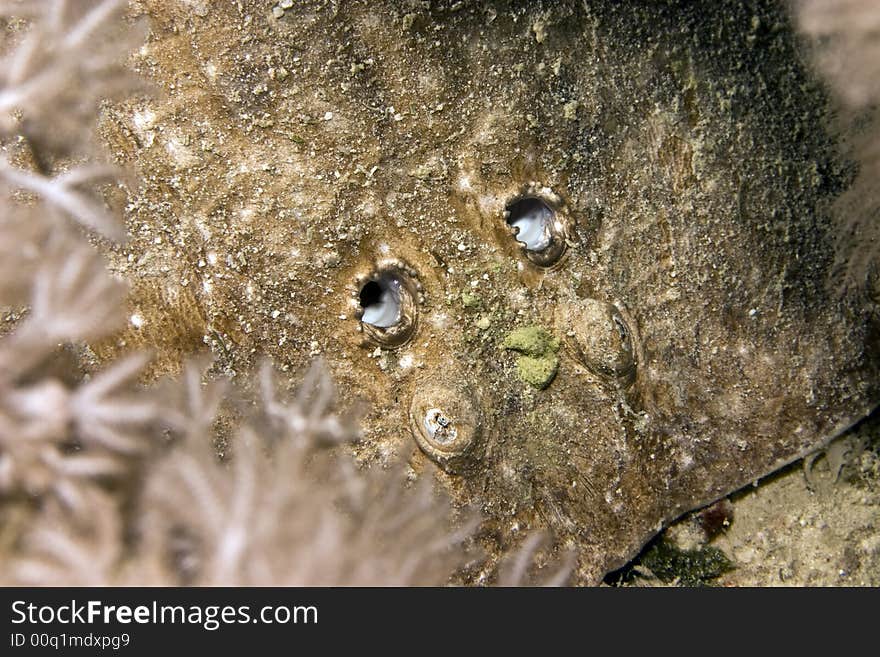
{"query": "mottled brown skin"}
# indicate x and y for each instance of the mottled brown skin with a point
(288, 157)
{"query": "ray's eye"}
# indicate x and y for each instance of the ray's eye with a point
(387, 305)
(538, 229)
(532, 219)
(380, 301)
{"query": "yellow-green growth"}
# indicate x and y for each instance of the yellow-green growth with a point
(532, 341)
(470, 300)
(538, 363)
(538, 372)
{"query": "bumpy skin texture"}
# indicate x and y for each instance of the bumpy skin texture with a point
(682, 148)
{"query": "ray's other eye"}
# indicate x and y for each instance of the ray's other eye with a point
(380, 301)
(532, 219)
(386, 305)
(537, 228)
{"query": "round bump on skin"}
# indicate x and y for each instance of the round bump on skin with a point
(599, 337)
(446, 421)
(386, 304)
(538, 228)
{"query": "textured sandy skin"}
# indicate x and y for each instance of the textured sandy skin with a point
(284, 158)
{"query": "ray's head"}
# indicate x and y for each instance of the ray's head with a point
(554, 248)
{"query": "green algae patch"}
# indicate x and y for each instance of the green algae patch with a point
(538, 372)
(538, 363)
(533, 341)
(470, 300)
(672, 565)
(686, 567)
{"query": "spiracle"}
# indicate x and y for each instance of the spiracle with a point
(446, 420)
(539, 228)
(598, 336)
(387, 304)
